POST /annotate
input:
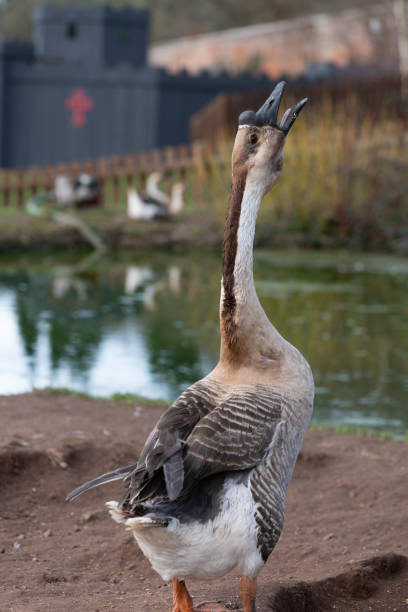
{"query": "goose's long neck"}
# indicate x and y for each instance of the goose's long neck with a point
(245, 328)
(238, 294)
(153, 190)
(239, 232)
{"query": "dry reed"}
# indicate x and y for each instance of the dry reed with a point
(344, 183)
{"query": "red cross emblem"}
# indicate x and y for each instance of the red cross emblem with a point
(79, 104)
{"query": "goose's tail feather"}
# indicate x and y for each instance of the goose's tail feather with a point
(148, 520)
(118, 474)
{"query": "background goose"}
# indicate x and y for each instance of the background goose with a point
(80, 192)
(176, 199)
(153, 190)
(155, 204)
(143, 207)
(208, 491)
(87, 191)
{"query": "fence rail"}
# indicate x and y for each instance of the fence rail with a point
(17, 185)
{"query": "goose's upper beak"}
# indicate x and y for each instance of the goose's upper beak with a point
(268, 113)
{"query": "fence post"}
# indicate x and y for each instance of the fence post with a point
(144, 166)
(48, 179)
(156, 160)
(20, 187)
(115, 177)
(130, 170)
(6, 187)
(198, 168)
(33, 181)
(101, 171)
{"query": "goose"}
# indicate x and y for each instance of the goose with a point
(64, 191)
(155, 204)
(80, 192)
(144, 208)
(87, 191)
(176, 199)
(207, 493)
(153, 190)
(174, 202)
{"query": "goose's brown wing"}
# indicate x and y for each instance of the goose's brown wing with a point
(165, 447)
(205, 432)
(234, 436)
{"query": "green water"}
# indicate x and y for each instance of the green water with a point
(149, 325)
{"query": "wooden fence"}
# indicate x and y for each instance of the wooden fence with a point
(17, 185)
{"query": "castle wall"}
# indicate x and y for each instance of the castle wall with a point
(56, 112)
(114, 113)
(67, 98)
(85, 91)
(364, 37)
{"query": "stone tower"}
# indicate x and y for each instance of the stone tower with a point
(98, 36)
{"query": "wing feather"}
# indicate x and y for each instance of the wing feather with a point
(165, 447)
(207, 430)
(118, 474)
(235, 436)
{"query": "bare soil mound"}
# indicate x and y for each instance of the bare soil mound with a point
(343, 548)
(376, 581)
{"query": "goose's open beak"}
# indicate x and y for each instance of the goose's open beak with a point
(268, 113)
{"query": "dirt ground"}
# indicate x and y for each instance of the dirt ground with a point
(344, 546)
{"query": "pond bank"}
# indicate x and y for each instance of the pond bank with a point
(22, 232)
(343, 546)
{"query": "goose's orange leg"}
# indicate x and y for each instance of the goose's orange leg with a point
(248, 593)
(182, 601)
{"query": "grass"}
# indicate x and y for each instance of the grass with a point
(358, 431)
(131, 398)
(122, 398)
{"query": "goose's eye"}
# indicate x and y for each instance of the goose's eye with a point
(253, 138)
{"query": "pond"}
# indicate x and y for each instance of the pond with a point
(148, 324)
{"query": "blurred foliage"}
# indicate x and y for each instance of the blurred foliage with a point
(344, 183)
(173, 19)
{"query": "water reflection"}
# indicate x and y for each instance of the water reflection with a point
(149, 325)
(141, 278)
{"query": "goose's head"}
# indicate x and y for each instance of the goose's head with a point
(258, 149)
